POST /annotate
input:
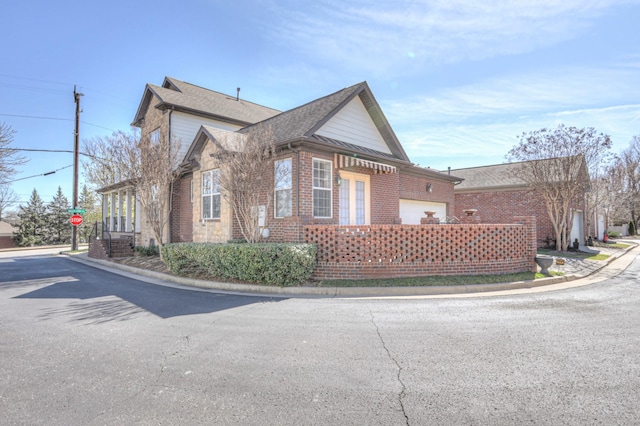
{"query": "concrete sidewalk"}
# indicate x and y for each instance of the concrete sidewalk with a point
(576, 272)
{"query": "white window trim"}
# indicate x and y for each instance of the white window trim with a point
(276, 189)
(330, 189)
(212, 195)
(152, 139)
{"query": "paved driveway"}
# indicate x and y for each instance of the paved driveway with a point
(83, 346)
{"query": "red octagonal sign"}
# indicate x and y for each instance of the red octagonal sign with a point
(76, 220)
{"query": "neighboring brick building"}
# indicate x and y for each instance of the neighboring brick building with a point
(498, 194)
(6, 235)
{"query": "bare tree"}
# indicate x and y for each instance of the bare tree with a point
(112, 159)
(624, 177)
(154, 183)
(556, 166)
(7, 197)
(247, 177)
(148, 166)
(9, 158)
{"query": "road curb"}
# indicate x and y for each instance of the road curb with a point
(196, 284)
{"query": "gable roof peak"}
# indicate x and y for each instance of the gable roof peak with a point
(178, 94)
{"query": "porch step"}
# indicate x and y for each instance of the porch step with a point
(120, 247)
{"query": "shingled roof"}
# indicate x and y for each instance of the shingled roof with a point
(195, 99)
(302, 122)
(502, 176)
(486, 177)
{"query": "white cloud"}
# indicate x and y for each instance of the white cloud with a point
(404, 35)
(520, 95)
(480, 143)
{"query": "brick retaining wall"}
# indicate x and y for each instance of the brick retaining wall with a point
(389, 251)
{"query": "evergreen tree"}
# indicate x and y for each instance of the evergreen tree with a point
(32, 228)
(87, 200)
(58, 225)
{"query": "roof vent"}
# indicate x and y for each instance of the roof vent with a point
(238, 94)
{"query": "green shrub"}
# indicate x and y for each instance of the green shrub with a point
(279, 264)
(632, 228)
(147, 250)
(613, 234)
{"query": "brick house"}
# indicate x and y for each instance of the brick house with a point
(348, 187)
(498, 194)
(6, 235)
(346, 165)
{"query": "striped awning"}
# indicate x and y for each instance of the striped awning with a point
(344, 161)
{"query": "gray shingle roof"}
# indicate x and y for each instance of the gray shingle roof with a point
(507, 175)
(189, 97)
(299, 121)
(494, 176)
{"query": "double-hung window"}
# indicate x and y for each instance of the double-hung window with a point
(154, 137)
(211, 194)
(282, 185)
(322, 173)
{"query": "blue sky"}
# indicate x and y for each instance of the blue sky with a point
(458, 80)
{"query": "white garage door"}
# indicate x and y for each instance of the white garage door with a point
(577, 231)
(412, 211)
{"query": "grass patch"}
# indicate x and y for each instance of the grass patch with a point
(618, 245)
(438, 280)
(574, 254)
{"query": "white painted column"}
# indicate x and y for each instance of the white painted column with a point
(112, 222)
(120, 211)
(105, 209)
(138, 213)
(129, 211)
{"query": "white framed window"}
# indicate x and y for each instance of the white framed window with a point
(211, 194)
(282, 184)
(154, 137)
(154, 200)
(322, 188)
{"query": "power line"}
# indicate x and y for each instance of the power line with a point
(37, 117)
(41, 174)
(55, 118)
(35, 79)
(67, 151)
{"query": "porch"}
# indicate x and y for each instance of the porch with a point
(119, 211)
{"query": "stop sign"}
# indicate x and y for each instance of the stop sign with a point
(76, 220)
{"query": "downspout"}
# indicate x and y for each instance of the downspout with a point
(171, 185)
(297, 151)
(290, 146)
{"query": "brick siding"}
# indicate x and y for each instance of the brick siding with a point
(415, 188)
(501, 206)
(182, 210)
(7, 242)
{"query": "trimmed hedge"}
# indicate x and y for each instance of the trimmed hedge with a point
(278, 264)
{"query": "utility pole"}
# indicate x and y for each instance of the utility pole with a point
(76, 150)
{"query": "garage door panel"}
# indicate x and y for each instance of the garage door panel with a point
(411, 211)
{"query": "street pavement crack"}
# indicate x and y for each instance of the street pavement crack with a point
(403, 388)
(178, 352)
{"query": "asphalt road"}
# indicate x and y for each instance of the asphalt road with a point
(81, 346)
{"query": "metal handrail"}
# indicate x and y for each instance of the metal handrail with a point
(100, 235)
